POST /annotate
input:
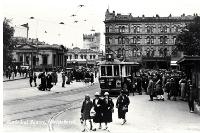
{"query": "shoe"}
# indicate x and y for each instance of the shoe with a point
(83, 130)
(150, 100)
(100, 127)
(94, 129)
(105, 128)
(191, 111)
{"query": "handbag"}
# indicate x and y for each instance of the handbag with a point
(92, 112)
(125, 108)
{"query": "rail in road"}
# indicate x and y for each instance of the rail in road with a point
(48, 110)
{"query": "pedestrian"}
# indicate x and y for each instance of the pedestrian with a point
(35, 79)
(126, 86)
(191, 96)
(63, 79)
(158, 89)
(139, 85)
(92, 78)
(167, 89)
(98, 104)
(42, 86)
(122, 105)
(182, 84)
(31, 77)
(49, 81)
(173, 89)
(150, 88)
(54, 77)
(85, 112)
(108, 109)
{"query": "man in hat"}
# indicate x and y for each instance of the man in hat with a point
(98, 108)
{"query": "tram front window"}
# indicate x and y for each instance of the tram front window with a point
(116, 70)
(109, 70)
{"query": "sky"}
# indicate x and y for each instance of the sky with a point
(49, 13)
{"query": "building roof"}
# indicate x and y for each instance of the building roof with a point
(110, 17)
(189, 58)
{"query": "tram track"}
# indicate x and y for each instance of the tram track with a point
(49, 110)
(56, 94)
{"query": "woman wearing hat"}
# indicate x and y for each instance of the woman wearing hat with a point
(122, 105)
(98, 104)
(85, 111)
(107, 109)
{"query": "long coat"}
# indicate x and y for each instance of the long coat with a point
(158, 88)
(85, 109)
(43, 84)
(107, 109)
(49, 80)
(150, 88)
(98, 118)
(173, 89)
(122, 101)
(54, 77)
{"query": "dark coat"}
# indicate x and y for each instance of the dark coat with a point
(54, 77)
(167, 87)
(85, 109)
(122, 101)
(92, 78)
(98, 118)
(108, 106)
(158, 88)
(49, 80)
(43, 84)
(173, 89)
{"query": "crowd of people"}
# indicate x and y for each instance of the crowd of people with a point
(100, 110)
(11, 72)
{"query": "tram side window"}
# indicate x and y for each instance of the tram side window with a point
(109, 70)
(116, 70)
(103, 71)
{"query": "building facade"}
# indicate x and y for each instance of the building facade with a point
(91, 41)
(148, 40)
(40, 56)
(82, 57)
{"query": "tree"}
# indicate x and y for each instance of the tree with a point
(8, 33)
(188, 41)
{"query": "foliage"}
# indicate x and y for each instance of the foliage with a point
(188, 41)
(8, 33)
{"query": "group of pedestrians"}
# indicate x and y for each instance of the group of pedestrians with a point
(100, 110)
(11, 72)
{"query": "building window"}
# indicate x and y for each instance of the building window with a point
(138, 40)
(149, 29)
(85, 56)
(107, 29)
(21, 58)
(148, 40)
(138, 29)
(94, 56)
(70, 56)
(44, 59)
(34, 60)
(90, 56)
(27, 59)
(163, 40)
(107, 40)
(81, 56)
(116, 29)
(163, 29)
(76, 56)
(152, 40)
(174, 39)
(119, 40)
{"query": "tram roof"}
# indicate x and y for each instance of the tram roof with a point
(105, 62)
(117, 62)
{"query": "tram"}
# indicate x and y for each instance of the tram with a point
(112, 73)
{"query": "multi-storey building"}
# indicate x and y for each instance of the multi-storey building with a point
(83, 57)
(148, 40)
(91, 41)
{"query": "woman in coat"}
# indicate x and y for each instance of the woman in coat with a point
(49, 80)
(159, 90)
(122, 105)
(85, 111)
(150, 88)
(107, 109)
(43, 84)
(98, 106)
(173, 89)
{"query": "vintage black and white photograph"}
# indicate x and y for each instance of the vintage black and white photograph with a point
(120, 66)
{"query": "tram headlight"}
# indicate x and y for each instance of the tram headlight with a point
(118, 83)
